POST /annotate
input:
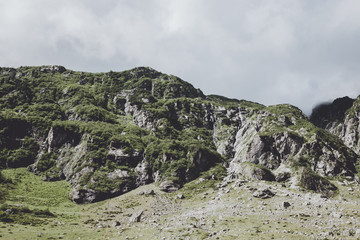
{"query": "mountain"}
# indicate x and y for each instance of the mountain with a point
(109, 133)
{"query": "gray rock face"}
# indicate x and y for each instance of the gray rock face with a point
(251, 171)
(269, 143)
(142, 118)
(143, 173)
(269, 139)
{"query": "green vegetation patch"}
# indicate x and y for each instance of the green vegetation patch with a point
(29, 189)
(23, 215)
(286, 110)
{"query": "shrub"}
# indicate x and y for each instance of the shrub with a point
(23, 215)
(25, 155)
(93, 113)
(46, 161)
(49, 111)
(218, 172)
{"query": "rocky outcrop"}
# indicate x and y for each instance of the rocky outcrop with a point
(136, 217)
(52, 69)
(251, 171)
(269, 138)
(325, 114)
(311, 181)
(341, 118)
(279, 136)
(169, 186)
(263, 193)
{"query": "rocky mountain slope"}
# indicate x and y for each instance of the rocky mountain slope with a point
(341, 118)
(109, 133)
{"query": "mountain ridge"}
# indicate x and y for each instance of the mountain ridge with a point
(108, 133)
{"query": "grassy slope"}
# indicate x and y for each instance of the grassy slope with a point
(30, 191)
(206, 213)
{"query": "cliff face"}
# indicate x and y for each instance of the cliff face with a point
(108, 133)
(341, 118)
(279, 143)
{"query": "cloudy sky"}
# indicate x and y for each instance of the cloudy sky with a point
(300, 52)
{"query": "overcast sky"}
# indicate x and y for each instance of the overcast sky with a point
(301, 52)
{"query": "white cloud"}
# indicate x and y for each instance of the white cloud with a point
(270, 51)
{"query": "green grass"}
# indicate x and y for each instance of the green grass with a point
(34, 209)
(24, 215)
(30, 190)
(285, 110)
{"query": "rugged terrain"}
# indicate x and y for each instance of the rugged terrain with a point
(106, 134)
(200, 210)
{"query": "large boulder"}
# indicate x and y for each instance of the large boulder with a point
(311, 181)
(169, 186)
(251, 171)
(263, 193)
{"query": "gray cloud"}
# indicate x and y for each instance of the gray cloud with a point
(289, 51)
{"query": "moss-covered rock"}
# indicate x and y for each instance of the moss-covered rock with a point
(312, 181)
